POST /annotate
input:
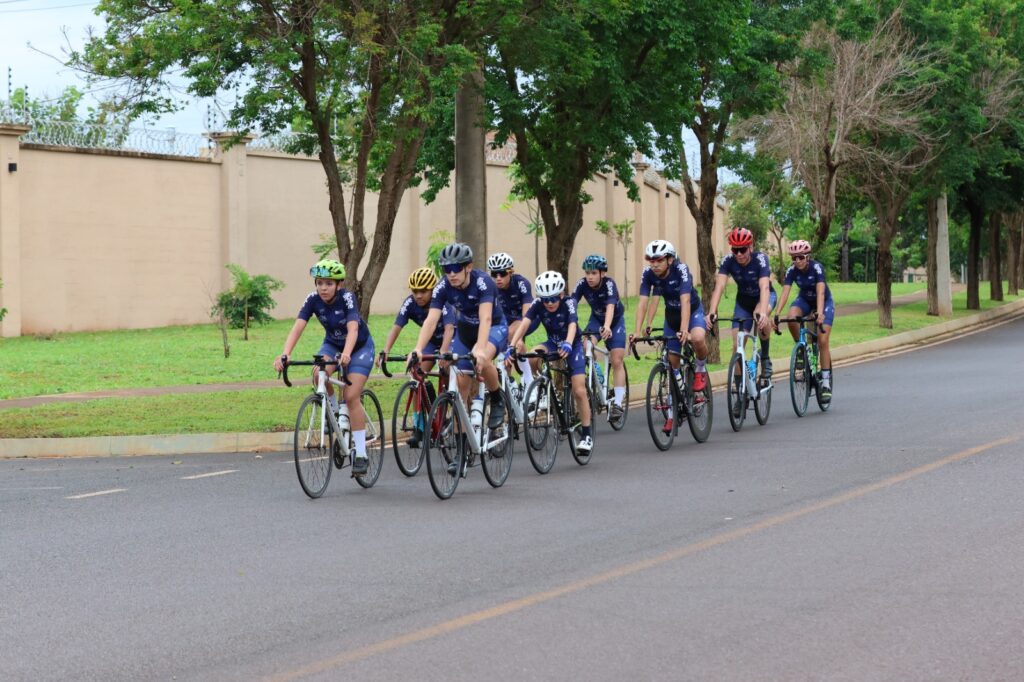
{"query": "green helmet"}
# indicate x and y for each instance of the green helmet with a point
(328, 268)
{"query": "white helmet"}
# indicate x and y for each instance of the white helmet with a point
(659, 248)
(549, 283)
(500, 261)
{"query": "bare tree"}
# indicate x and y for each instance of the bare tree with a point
(1014, 222)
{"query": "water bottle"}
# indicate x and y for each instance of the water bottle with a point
(752, 368)
(680, 382)
(343, 417)
(476, 414)
(600, 374)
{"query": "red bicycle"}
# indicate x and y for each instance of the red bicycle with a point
(411, 412)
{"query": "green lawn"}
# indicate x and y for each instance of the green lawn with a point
(192, 355)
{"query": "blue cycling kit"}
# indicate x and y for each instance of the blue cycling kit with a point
(479, 289)
(677, 282)
(556, 324)
(606, 293)
(806, 282)
(334, 317)
(410, 312)
(513, 298)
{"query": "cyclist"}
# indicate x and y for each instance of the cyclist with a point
(607, 318)
(515, 297)
(684, 315)
(557, 312)
(755, 295)
(415, 307)
(813, 294)
(347, 338)
(481, 328)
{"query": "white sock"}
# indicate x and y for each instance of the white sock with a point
(359, 438)
(620, 393)
(527, 371)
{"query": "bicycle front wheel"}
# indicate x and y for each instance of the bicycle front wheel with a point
(763, 399)
(539, 426)
(736, 393)
(799, 379)
(444, 447)
(496, 458)
(374, 438)
(699, 407)
(405, 418)
(313, 445)
(618, 422)
(660, 407)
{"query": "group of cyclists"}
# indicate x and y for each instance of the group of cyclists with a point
(487, 315)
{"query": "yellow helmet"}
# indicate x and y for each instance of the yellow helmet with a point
(423, 278)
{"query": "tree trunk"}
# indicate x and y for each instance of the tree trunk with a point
(471, 166)
(943, 276)
(995, 224)
(931, 267)
(1012, 253)
(844, 252)
(883, 268)
(977, 214)
(1020, 255)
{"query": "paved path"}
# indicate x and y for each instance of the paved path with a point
(849, 309)
(875, 541)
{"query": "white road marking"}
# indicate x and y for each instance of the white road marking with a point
(101, 492)
(212, 473)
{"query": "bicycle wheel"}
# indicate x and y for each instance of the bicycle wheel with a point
(445, 447)
(763, 399)
(736, 393)
(660, 407)
(404, 418)
(374, 438)
(595, 406)
(314, 442)
(496, 457)
(699, 407)
(799, 379)
(823, 405)
(574, 428)
(540, 429)
(618, 423)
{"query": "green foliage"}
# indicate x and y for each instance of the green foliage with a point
(327, 247)
(249, 301)
(438, 240)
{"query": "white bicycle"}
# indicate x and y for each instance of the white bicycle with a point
(601, 383)
(746, 384)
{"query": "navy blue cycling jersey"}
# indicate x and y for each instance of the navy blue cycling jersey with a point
(335, 316)
(481, 289)
(598, 299)
(556, 324)
(412, 312)
(676, 282)
(513, 298)
(807, 280)
(747, 276)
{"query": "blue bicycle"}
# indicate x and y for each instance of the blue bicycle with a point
(804, 373)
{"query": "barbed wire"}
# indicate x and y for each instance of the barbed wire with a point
(116, 137)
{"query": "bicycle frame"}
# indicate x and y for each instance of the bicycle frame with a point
(750, 388)
(589, 348)
(546, 370)
(327, 417)
(481, 441)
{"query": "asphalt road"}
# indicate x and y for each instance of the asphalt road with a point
(882, 540)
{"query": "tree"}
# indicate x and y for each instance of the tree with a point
(622, 232)
(364, 82)
(248, 302)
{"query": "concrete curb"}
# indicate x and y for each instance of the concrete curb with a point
(208, 443)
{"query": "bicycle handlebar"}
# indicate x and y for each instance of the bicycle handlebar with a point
(647, 339)
(318, 361)
(800, 319)
(386, 357)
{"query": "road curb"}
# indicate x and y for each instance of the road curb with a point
(211, 443)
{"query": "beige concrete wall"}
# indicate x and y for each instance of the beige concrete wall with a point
(113, 240)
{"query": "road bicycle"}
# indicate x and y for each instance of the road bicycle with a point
(600, 384)
(551, 414)
(668, 402)
(411, 411)
(804, 374)
(323, 436)
(460, 440)
(747, 385)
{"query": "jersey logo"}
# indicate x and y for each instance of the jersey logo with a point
(350, 300)
(481, 284)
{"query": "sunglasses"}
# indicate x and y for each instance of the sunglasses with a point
(550, 299)
(321, 272)
(796, 258)
(654, 259)
(739, 250)
(499, 273)
(452, 268)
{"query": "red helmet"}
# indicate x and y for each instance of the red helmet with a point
(741, 236)
(799, 247)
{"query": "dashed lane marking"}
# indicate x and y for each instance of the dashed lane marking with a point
(208, 475)
(96, 494)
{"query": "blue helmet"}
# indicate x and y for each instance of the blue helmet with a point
(595, 262)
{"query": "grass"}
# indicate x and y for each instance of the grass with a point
(187, 355)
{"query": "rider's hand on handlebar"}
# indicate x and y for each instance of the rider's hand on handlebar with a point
(606, 333)
(713, 319)
(564, 348)
(279, 363)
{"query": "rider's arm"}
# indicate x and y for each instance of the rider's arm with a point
(783, 299)
(427, 330)
(520, 332)
(651, 312)
(484, 330)
(570, 333)
(392, 337)
(684, 313)
(352, 326)
(820, 289)
(765, 284)
(446, 339)
(609, 313)
(293, 336)
(641, 308)
(716, 295)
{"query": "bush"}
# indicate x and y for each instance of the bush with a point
(249, 301)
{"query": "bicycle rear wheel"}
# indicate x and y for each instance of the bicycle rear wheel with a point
(496, 457)
(736, 393)
(404, 419)
(699, 407)
(763, 399)
(660, 407)
(618, 423)
(799, 379)
(444, 447)
(541, 431)
(313, 443)
(374, 438)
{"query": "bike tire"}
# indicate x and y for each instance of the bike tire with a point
(374, 438)
(403, 416)
(799, 379)
(574, 428)
(699, 414)
(620, 423)
(313, 448)
(444, 447)
(496, 458)
(540, 428)
(595, 408)
(660, 407)
(736, 393)
(762, 401)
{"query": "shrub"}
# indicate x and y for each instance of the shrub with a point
(249, 301)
